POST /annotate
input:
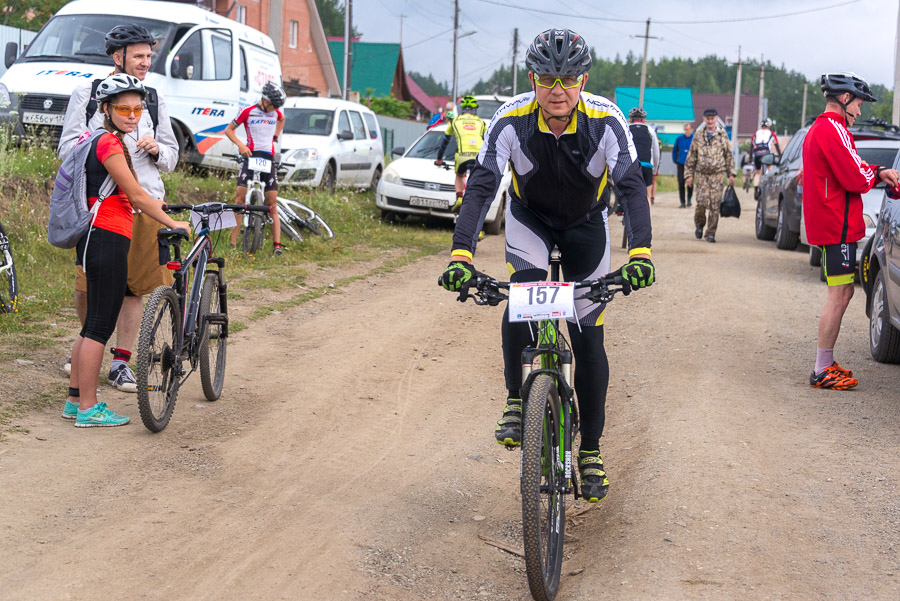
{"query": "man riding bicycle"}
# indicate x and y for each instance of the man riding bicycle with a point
(263, 123)
(469, 130)
(563, 147)
(760, 146)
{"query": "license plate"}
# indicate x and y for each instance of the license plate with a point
(434, 203)
(259, 164)
(43, 118)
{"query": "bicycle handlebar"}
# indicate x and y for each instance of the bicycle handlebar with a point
(488, 290)
(239, 159)
(216, 207)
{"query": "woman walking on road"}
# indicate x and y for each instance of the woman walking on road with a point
(104, 249)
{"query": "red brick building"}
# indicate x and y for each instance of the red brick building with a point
(295, 28)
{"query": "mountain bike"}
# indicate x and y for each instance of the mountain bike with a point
(550, 413)
(297, 217)
(181, 325)
(254, 221)
(9, 284)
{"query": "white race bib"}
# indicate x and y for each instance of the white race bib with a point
(259, 164)
(217, 221)
(535, 301)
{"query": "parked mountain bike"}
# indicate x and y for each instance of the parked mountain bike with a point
(185, 325)
(9, 283)
(550, 413)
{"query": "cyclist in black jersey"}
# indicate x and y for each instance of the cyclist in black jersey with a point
(564, 147)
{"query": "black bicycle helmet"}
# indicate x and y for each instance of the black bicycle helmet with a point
(121, 36)
(558, 52)
(835, 84)
(637, 113)
(274, 94)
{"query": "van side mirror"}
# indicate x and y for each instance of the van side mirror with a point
(398, 150)
(345, 135)
(770, 159)
(12, 49)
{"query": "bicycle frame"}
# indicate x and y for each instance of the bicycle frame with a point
(556, 361)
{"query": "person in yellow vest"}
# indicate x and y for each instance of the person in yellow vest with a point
(469, 130)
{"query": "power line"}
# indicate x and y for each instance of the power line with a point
(692, 22)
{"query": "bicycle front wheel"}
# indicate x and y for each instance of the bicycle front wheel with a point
(9, 283)
(157, 359)
(253, 232)
(543, 488)
(213, 343)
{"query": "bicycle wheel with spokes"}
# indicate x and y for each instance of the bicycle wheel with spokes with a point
(543, 486)
(213, 343)
(253, 232)
(288, 226)
(157, 359)
(9, 283)
(310, 219)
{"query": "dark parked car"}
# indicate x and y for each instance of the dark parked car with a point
(880, 275)
(780, 206)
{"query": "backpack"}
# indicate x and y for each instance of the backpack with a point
(152, 101)
(70, 217)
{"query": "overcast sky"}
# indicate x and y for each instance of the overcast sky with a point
(854, 35)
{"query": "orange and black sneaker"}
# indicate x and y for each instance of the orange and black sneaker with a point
(847, 373)
(833, 377)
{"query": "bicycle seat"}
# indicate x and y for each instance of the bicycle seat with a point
(168, 236)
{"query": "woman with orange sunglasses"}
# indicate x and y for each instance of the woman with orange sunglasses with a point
(104, 249)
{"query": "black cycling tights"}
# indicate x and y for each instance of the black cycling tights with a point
(107, 280)
(591, 372)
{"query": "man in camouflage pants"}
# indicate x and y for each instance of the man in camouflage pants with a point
(708, 159)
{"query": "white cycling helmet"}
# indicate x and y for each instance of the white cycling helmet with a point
(118, 83)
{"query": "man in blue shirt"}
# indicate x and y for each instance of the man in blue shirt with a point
(679, 155)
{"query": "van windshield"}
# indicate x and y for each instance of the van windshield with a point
(316, 122)
(487, 108)
(82, 38)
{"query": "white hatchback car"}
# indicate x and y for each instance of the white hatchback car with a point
(413, 184)
(328, 142)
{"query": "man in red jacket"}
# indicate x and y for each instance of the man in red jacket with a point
(834, 177)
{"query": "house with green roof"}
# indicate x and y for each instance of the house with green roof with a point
(667, 108)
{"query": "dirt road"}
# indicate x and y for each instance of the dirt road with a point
(351, 456)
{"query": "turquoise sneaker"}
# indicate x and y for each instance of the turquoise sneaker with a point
(70, 411)
(99, 416)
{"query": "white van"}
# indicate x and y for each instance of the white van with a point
(206, 67)
(328, 141)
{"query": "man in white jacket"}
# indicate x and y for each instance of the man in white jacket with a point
(153, 148)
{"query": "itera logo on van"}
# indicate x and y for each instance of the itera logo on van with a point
(199, 110)
(69, 73)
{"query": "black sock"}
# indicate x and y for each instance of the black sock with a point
(589, 445)
(74, 392)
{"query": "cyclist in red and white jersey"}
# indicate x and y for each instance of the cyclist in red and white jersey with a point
(263, 123)
(761, 145)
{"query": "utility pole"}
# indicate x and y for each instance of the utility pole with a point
(646, 37)
(895, 114)
(515, 69)
(803, 110)
(762, 87)
(455, 37)
(401, 29)
(736, 112)
(348, 40)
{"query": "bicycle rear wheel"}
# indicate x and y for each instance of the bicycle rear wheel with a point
(253, 232)
(543, 484)
(9, 283)
(213, 344)
(157, 359)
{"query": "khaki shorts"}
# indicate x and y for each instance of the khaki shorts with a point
(144, 271)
